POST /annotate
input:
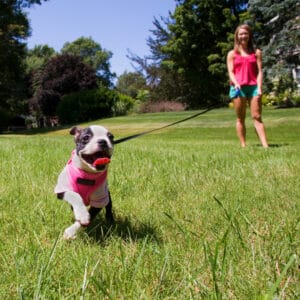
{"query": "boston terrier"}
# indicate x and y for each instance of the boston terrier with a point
(83, 181)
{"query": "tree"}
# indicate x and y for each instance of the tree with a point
(37, 57)
(14, 29)
(189, 50)
(277, 33)
(63, 74)
(35, 62)
(93, 55)
(28, 3)
(131, 83)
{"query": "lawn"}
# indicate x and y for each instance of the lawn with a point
(196, 215)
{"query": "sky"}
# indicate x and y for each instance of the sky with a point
(117, 25)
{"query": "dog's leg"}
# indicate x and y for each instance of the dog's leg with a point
(108, 211)
(70, 232)
(81, 213)
(93, 211)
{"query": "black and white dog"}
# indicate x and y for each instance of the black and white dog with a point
(83, 181)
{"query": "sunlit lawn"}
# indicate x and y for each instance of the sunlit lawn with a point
(196, 215)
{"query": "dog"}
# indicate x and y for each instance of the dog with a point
(83, 181)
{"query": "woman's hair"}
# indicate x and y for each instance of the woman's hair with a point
(251, 47)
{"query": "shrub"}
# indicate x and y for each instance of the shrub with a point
(4, 119)
(269, 100)
(86, 105)
(296, 100)
(122, 105)
(163, 106)
(283, 100)
(62, 75)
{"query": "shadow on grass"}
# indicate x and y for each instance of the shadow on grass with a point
(36, 131)
(100, 230)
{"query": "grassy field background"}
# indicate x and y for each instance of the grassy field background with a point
(196, 215)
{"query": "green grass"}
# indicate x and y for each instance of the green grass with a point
(196, 215)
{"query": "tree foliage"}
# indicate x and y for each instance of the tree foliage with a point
(187, 61)
(35, 62)
(63, 74)
(277, 28)
(86, 105)
(37, 57)
(28, 3)
(189, 49)
(131, 83)
(93, 55)
(14, 28)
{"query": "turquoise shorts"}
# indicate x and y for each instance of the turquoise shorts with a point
(247, 91)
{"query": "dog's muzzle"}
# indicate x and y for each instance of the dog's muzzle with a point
(100, 158)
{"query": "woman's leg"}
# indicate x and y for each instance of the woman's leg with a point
(255, 107)
(240, 105)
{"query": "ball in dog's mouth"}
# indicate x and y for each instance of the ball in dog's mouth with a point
(101, 161)
(98, 160)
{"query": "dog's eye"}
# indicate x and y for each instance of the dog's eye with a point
(110, 136)
(85, 139)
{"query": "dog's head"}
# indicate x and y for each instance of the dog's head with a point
(94, 147)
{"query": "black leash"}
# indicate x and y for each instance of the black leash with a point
(121, 140)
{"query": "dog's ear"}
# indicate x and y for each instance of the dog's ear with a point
(75, 131)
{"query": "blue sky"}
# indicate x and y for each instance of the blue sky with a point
(117, 25)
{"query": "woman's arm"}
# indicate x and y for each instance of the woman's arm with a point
(230, 69)
(259, 78)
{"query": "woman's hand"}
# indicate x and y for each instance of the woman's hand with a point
(259, 91)
(237, 87)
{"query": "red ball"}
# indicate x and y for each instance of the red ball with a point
(101, 161)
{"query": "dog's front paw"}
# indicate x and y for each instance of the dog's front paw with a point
(70, 232)
(82, 216)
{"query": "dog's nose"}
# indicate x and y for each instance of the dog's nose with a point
(102, 143)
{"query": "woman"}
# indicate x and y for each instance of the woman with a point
(244, 64)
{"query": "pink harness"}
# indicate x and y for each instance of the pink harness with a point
(84, 183)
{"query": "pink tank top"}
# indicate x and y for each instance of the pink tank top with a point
(245, 69)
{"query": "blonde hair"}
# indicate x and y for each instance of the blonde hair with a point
(250, 47)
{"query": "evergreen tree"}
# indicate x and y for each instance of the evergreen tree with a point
(277, 26)
(189, 50)
(14, 29)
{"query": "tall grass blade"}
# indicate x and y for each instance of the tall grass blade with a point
(176, 223)
(275, 286)
(139, 259)
(161, 277)
(84, 283)
(44, 269)
(251, 225)
(212, 259)
(101, 286)
(39, 284)
(233, 221)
